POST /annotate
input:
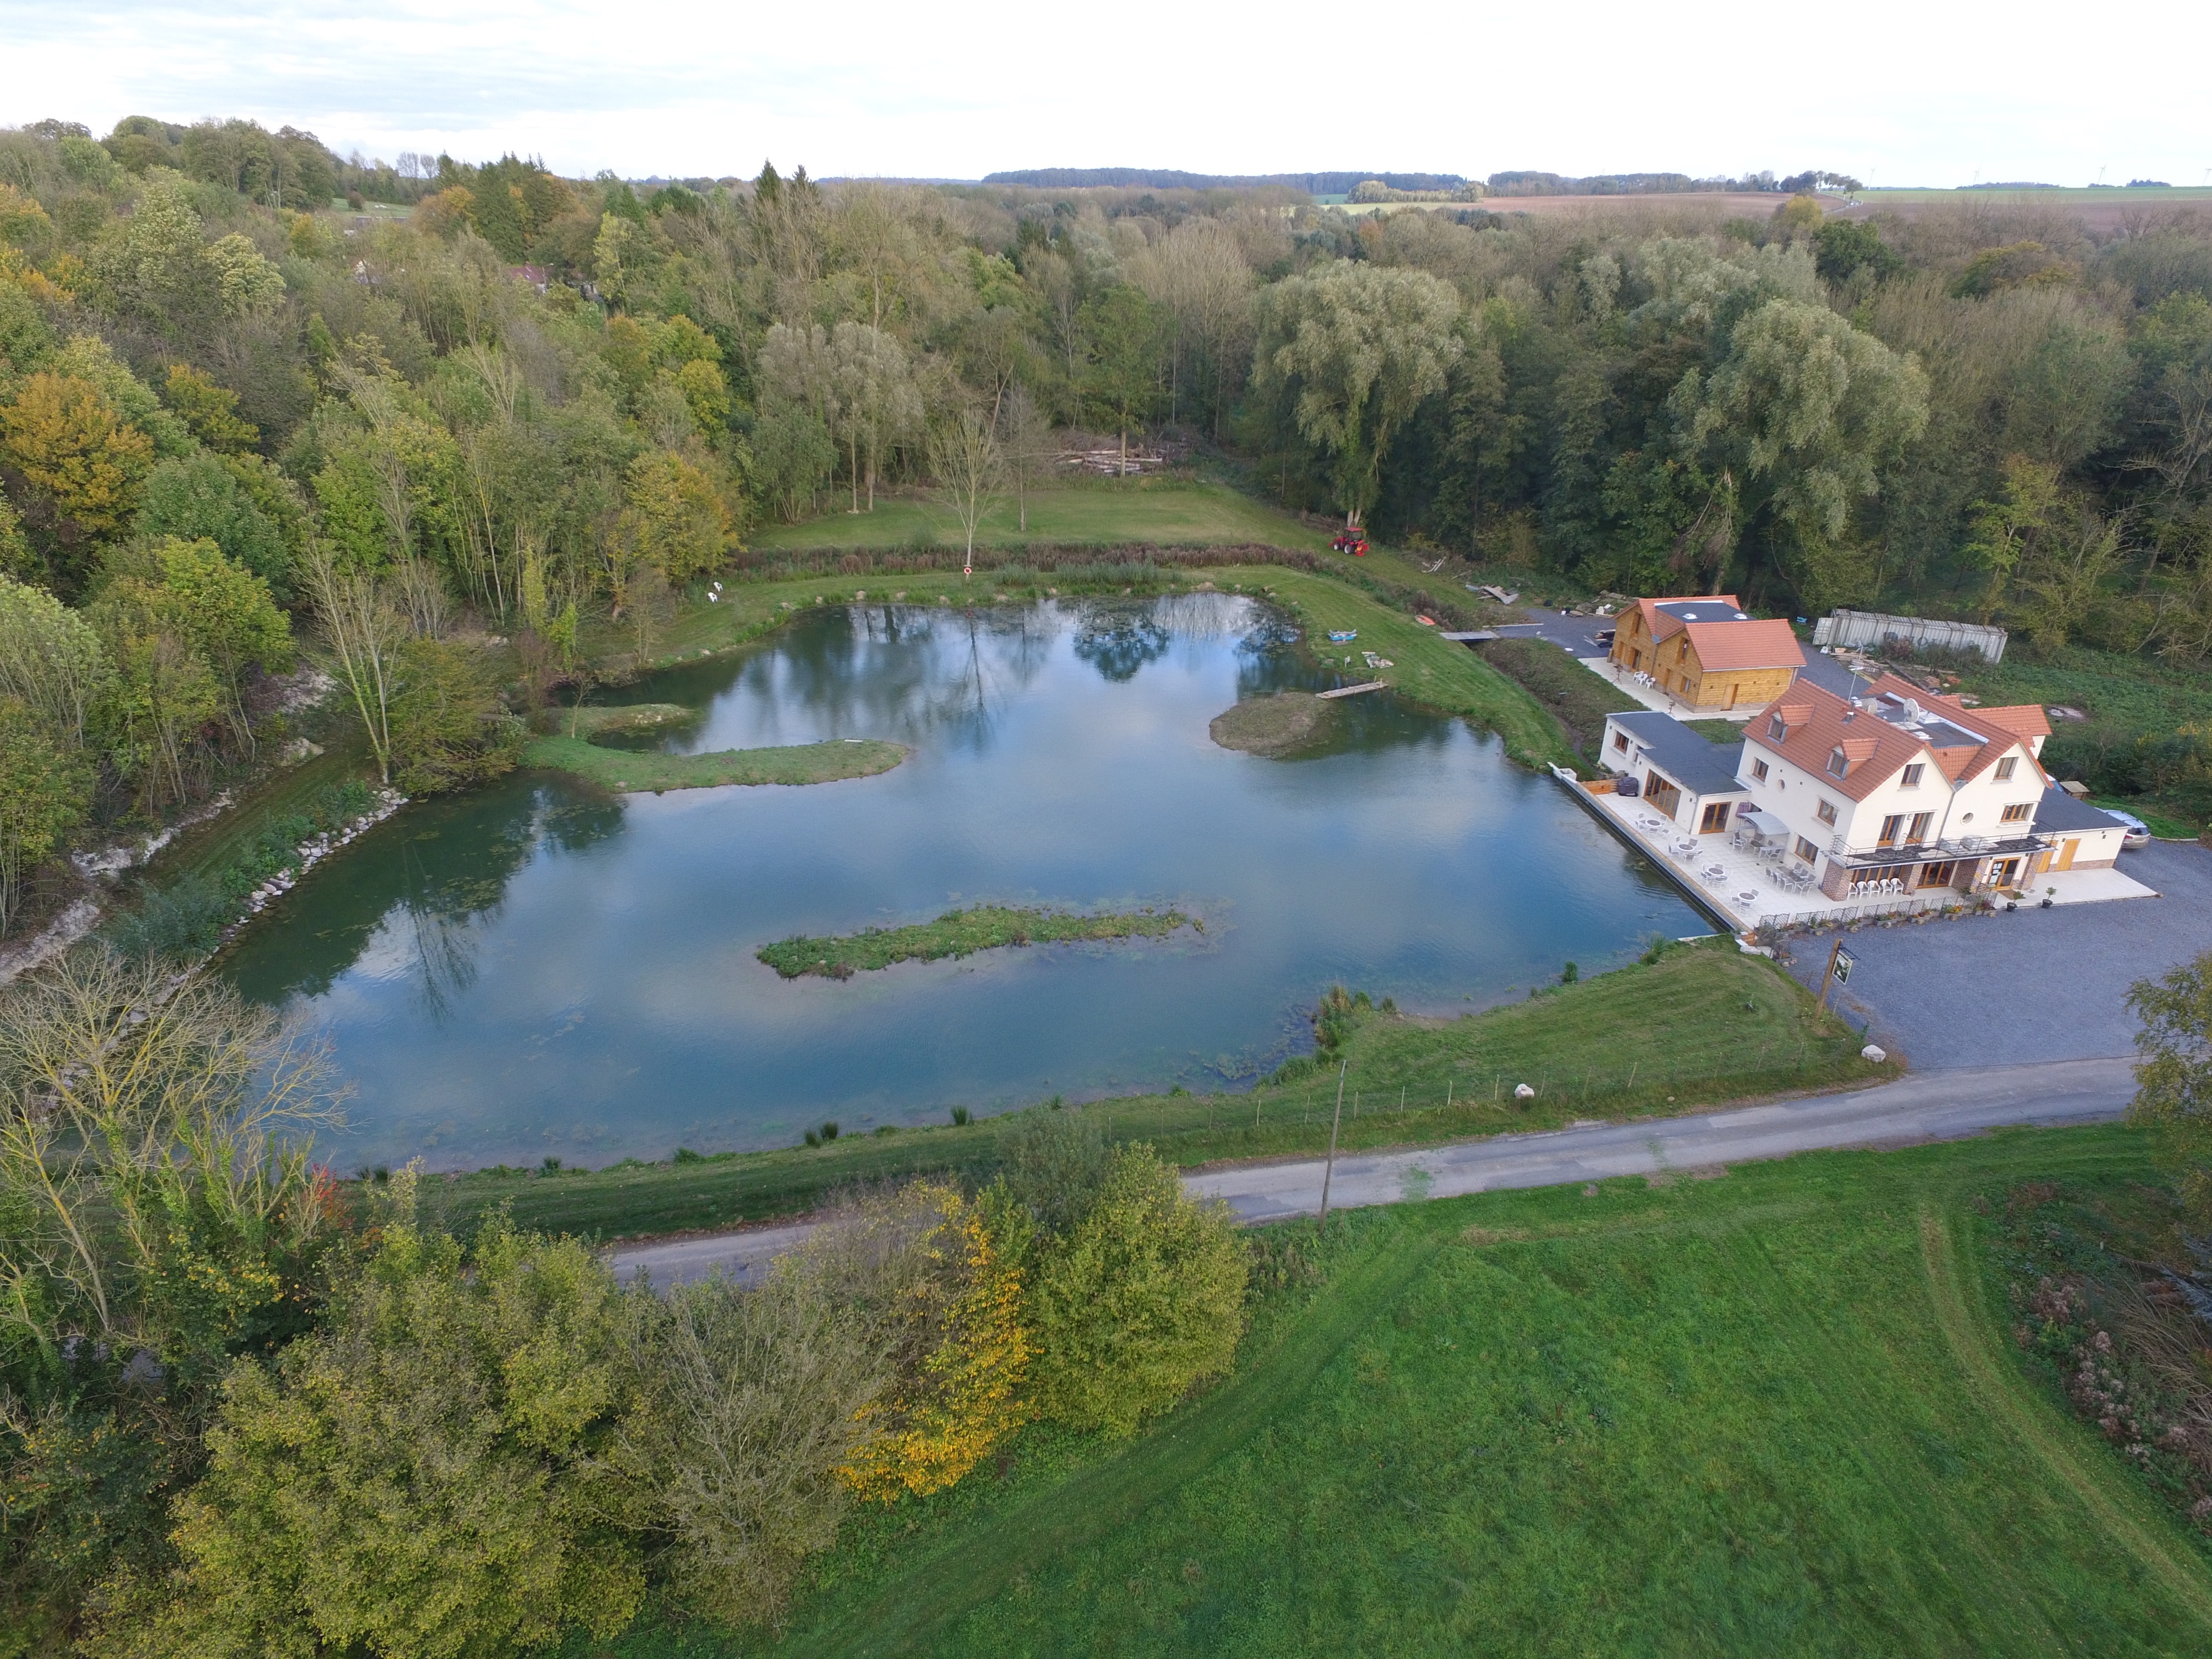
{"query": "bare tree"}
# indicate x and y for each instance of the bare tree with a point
(363, 633)
(1025, 445)
(131, 1104)
(1199, 273)
(963, 454)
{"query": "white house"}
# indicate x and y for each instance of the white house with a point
(1674, 770)
(1903, 790)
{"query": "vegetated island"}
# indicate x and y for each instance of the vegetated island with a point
(960, 934)
(583, 756)
(1287, 721)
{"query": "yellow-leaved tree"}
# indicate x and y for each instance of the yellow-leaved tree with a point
(674, 520)
(965, 1354)
(76, 452)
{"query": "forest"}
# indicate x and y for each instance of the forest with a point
(250, 389)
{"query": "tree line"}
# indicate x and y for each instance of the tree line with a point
(235, 414)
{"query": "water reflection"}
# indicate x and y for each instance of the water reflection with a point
(535, 968)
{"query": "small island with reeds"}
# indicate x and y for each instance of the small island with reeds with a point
(960, 934)
(576, 747)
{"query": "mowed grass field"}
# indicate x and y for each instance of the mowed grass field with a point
(1168, 512)
(1767, 1413)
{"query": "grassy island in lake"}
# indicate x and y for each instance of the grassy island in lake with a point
(637, 770)
(1281, 725)
(959, 934)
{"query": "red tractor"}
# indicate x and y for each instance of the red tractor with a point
(1353, 540)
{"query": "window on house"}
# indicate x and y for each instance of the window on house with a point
(1912, 774)
(2019, 814)
(1827, 812)
(1620, 741)
(1715, 818)
(1806, 851)
(2006, 768)
(1759, 770)
(1836, 764)
(1891, 827)
(1775, 728)
(1921, 822)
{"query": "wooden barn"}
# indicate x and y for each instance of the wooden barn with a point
(1706, 652)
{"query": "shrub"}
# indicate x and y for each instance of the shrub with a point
(1140, 1302)
(962, 1351)
(1055, 1164)
(422, 1475)
(449, 729)
(752, 1403)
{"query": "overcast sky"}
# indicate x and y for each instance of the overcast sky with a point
(1895, 92)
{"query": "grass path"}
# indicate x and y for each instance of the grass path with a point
(2118, 1507)
(1165, 512)
(973, 1565)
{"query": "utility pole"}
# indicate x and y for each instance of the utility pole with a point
(1329, 1169)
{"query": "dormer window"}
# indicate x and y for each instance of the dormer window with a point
(1777, 728)
(1836, 764)
(2007, 766)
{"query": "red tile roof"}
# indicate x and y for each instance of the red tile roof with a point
(1818, 723)
(1726, 645)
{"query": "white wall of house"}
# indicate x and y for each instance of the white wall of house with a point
(1797, 789)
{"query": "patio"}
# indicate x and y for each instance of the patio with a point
(1653, 696)
(1750, 883)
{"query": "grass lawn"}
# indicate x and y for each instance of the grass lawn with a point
(1167, 512)
(1729, 734)
(957, 933)
(1769, 1413)
(2126, 696)
(1578, 699)
(639, 769)
(1702, 1025)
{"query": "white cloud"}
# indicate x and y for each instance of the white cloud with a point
(1899, 94)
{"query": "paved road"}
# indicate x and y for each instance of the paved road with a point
(2028, 984)
(1935, 1106)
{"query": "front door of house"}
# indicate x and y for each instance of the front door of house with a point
(2003, 871)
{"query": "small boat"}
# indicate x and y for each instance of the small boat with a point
(1339, 638)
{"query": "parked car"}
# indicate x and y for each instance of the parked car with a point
(2138, 832)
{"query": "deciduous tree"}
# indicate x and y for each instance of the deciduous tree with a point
(1353, 349)
(44, 792)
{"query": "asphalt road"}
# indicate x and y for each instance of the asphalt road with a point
(2028, 984)
(1932, 1106)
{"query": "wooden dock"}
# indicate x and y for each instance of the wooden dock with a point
(1354, 690)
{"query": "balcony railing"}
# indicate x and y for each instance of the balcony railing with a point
(1943, 852)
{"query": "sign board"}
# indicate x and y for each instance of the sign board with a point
(1842, 967)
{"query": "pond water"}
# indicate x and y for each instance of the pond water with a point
(537, 968)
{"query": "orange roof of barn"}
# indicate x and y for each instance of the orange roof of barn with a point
(1759, 644)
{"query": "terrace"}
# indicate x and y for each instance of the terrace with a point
(1749, 877)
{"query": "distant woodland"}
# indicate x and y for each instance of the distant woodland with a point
(249, 387)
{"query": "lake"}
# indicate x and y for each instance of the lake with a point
(537, 968)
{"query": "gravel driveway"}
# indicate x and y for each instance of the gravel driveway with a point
(2028, 984)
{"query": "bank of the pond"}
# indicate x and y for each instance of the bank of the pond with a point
(642, 770)
(959, 934)
(1695, 1025)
